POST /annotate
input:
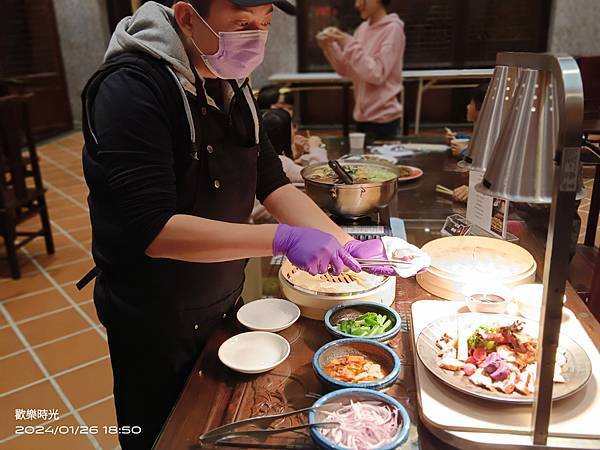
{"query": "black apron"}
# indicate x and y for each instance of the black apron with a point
(156, 335)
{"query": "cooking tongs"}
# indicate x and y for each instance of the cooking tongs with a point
(375, 262)
(262, 423)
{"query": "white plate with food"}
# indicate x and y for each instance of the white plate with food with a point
(268, 314)
(409, 173)
(254, 352)
(494, 357)
(370, 157)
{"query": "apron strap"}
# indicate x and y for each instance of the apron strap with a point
(87, 278)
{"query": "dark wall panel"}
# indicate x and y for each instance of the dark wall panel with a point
(440, 33)
(31, 61)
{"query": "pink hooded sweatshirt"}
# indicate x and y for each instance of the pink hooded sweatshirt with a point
(373, 60)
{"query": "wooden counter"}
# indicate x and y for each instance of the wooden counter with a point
(215, 395)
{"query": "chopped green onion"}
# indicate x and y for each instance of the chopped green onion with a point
(368, 324)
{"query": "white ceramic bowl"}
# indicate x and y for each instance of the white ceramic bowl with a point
(528, 298)
(254, 352)
(482, 298)
(268, 314)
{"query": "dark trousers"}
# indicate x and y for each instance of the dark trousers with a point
(374, 130)
(149, 371)
(151, 364)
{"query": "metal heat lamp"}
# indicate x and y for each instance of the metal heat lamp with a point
(495, 108)
(536, 159)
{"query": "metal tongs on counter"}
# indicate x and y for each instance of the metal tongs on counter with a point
(219, 435)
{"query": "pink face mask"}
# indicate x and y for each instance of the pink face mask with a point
(240, 52)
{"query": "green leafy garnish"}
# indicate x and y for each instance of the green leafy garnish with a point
(476, 339)
(368, 324)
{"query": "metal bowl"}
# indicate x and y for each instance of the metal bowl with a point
(351, 201)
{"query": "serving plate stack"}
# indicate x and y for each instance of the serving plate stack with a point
(458, 261)
(314, 301)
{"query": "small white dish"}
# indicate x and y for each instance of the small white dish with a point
(528, 298)
(254, 352)
(268, 314)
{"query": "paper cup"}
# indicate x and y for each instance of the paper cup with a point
(357, 142)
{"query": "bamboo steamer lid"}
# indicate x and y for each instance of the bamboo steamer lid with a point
(478, 255)
(461, 260)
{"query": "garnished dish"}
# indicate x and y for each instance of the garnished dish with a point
(368, 324)
(408, 173)
(363, 425)
(405, 171)
(495, 357)
(360, 174)
(354, 369)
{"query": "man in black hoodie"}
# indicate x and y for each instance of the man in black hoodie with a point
(174, 157)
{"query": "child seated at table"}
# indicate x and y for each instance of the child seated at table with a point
(458, 142)
(274, 97)
(277, 124)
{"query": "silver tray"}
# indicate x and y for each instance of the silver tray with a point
(577, 371)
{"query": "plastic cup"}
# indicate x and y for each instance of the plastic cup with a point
(357, 142)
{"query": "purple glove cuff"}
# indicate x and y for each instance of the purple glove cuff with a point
(280, 241)
(371, 249)
(312, 250)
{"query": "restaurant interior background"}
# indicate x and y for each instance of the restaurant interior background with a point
(53, 351)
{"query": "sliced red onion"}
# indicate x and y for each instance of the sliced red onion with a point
(364, 425)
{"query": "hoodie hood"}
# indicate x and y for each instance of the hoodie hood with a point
(389, 18)
(153, 30)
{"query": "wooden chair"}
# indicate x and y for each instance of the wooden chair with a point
(21, 188)
(585, 267)
(590, 74)
(594, 298)
(585, 261)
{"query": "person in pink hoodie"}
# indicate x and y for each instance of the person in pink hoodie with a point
(373, 60)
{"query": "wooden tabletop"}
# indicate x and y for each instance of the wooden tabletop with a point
(215, 395)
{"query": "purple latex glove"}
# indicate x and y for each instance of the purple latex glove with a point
(373, 248)
(312, 250)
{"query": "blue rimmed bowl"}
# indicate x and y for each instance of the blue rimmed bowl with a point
(344, 397)
(373, 350)
(351, 310)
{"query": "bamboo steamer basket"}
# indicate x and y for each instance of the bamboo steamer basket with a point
(462, 260)
(314, 304)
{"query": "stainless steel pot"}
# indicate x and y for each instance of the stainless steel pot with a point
(351, 201)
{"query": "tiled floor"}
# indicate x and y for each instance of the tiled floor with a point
(53, 351)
